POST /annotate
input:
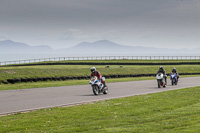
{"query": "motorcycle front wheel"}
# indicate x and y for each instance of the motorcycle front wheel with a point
(95, 90)
(172, 81)
(159, 83)
(176, 82)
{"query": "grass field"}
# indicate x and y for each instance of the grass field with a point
(64, 83)
(119, 61)
(172, 111)
(84, 70)
(71, 82)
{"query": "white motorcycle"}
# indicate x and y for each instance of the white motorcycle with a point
(97, 86)
(161, 80)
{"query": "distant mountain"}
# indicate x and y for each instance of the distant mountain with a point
(105, 47)
(98, 48)
(101, 45)
(9, 46)
(108, 47)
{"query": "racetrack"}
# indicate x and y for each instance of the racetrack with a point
(13, 101)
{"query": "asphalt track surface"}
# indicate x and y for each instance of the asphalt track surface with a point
(13, 101)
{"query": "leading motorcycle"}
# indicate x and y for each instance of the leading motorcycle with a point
(97, 86)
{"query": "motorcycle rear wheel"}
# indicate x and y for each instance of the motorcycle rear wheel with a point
(105, 91)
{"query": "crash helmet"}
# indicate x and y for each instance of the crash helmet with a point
(174, 69)
(161, 67)
(93, 69)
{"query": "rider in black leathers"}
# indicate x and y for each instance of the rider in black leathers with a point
(175, 71)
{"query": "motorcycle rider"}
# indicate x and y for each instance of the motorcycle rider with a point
(94, 72)
(175, 71)
(161, 70)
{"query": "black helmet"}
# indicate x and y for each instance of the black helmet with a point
(93, 69)
(161, 67)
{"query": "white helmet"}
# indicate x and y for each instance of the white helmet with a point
(93, 69)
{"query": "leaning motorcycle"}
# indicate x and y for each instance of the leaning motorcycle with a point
(173, 78)
(97, 86)
(161, 80)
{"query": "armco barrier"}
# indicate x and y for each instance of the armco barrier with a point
(63, 78)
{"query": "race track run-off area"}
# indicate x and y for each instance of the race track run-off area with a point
(13, 101)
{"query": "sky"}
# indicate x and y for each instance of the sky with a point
(65, 23)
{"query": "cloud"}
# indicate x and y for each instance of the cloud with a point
(68, 22)
(77, 34)
(74, 34)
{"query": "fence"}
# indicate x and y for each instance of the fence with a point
(102, 58)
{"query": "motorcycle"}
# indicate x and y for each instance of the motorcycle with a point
(161, 80)
(173, 78)
(97, 86)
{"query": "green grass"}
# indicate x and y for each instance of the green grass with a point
(84, 70)
(63, 83)
(172, 111)
(119, 61)
(30, 85)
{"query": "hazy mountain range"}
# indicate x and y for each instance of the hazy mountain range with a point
(9, 46)
(99, 47)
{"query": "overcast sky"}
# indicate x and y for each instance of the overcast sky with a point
(65, 23)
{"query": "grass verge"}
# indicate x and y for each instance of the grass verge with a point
(71, 82)
(25, 72)
(116, 61)
(63, 83)
(171, 111)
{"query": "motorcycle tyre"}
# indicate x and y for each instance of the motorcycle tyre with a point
(159, 84)
(105, 91)
(95, 90)
(172, 81)
(176, 83)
